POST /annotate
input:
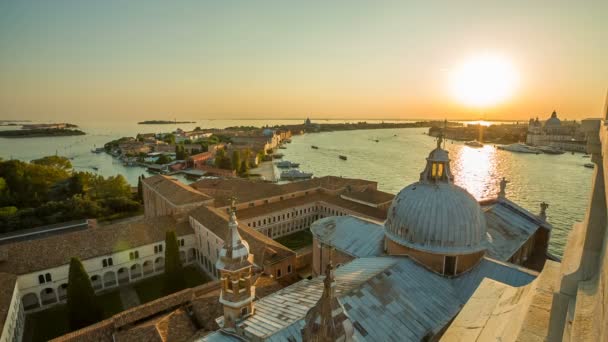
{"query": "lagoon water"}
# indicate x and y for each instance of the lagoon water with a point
(394, 162)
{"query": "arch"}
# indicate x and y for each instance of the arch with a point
(182, 256)
(96, 282)
(48, 296)
(123, 275)
(148, 267)
(109, 279)
(30, 301)
(159, 264)
(136, 271)
(191, 254)
(62, 291)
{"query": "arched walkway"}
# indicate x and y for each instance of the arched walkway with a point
(148, 267)
(159, 264)
(182, 256)
(30, 301)
(96, 282)
(135, 271)
(109, 279)
(123, 276)
(48, 296)
(62, 291)
(191, 254)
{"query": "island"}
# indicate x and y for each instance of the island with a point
(40, 132)
(163, 122)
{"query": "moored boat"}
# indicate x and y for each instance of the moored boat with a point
(294, 174)
(550, 150)
(474, 143)
(343, 157)
(589, 165)
(521, 148)
(277, 155)
(285, 164)
(314, 147)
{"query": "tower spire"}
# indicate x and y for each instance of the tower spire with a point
(327, 321)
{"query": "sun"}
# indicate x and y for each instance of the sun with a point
(484, 80)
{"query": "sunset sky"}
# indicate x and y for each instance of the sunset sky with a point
(61, 60)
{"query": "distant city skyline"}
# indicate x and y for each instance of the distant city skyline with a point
(117, 60)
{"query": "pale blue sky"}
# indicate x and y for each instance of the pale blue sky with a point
(284, 59)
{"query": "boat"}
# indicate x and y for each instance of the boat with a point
(521, 148)
(551, 150)
(98, 150)
(282, 147)
(294, 174)
(288, 141)
(376, 140)
(589, 165)
(95, 168)
(586, 156)
(277, 155)
(314, 147)
(285, 164)
(342, 157)
(474, 143)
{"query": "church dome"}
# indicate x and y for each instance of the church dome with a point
(553, 121)
(434, 215)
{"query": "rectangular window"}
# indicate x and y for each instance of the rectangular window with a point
(110, 262)
(136, 254)
(104, 263)
(47, 277)
(155, 249)
(130, 255)
(41, 279)
(288, 269)
(278, 273)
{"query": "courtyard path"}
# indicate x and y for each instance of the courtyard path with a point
(129, 297)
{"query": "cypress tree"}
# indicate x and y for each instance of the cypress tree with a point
(83, 308)
(174, 277)
(140, 189)
(236, 160)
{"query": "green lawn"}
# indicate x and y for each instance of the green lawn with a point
(53, 322)
(152, 288)
(296, 240)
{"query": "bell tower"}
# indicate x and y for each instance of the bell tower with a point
(235, 266)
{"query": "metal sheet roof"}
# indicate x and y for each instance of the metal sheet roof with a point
(387, 298)
(509, 227)
(354, 236)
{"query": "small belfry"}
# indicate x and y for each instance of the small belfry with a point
(235, 265)
(327, 320)
(437, 165)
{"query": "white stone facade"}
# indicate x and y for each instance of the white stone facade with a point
(15, 319)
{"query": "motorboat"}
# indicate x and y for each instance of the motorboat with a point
(294, 174)
(551, 150)
(277, 155)
(285, 164)
(282, 147)
(342, 157)
(314, 147)
(520, 148)
(589, 165)
(474, 143)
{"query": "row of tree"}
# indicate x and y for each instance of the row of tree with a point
(240, 161)
(47, 190)
(83, 305)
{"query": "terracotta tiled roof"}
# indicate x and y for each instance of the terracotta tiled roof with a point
(7, 287)
(247, 190)
(370, 196)
(175, 326)
(175, 191)
(30, 256)
(263, 248)
(375, 213)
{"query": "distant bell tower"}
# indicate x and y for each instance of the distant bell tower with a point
(235, 266)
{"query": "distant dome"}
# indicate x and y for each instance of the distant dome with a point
(434, 215)
(553, 121)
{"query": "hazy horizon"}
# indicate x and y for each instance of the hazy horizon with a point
(192, 60)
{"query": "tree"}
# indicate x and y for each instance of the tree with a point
(140, 189)
(83, 307)
(180, 152)
(219, 156)
(163, 159)
(169, 139)
(244, 168)
(236, 160)
(174, 277)
(54, 161)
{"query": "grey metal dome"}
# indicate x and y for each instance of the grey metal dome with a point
(553, 121)
(434, 215)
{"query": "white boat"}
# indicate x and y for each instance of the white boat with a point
(474, 143)
(521, 148)
(295, 174)
(550, 150)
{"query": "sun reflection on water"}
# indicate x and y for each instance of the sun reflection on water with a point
(474, 169)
